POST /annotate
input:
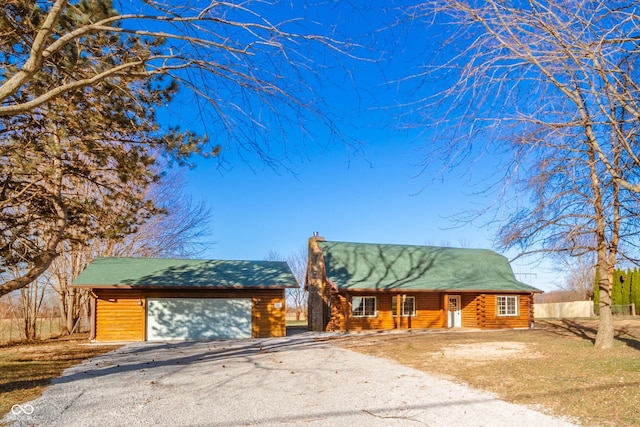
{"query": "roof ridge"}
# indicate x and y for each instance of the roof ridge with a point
(410, 246)
(186, 259)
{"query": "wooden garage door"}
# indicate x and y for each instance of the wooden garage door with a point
(198, 318)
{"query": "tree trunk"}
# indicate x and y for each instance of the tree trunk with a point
(64, 270)
(71, 311)
(72, 302)
(604, 338)
(29, 298)
(62, 304)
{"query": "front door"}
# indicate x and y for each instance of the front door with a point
(455, 312)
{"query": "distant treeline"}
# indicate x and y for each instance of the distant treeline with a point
(625, 291)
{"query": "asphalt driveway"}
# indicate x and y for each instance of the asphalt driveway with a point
(297, 380)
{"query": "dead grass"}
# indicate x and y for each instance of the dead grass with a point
(554, 367)
(27, 369)
(11, 330)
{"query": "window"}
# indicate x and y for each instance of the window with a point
(363, 306)
(507, 305)
(408, 306)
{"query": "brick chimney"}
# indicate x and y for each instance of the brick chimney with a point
(317, 302)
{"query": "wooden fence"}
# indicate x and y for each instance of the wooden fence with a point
(557, 310)
(12, 328)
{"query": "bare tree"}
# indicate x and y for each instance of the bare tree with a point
(29, 304)
(571, 213)
(87, 78)
(297, 262)
(554, 83)
(175, 230)
(178, 229)
(297, 297)
(581, 278)
(63, 270)
(238, 65)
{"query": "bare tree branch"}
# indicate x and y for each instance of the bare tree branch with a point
(554, 84)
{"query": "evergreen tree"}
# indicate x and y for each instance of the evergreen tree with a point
(616, 292)
(635, 289)
(77, 168)
(68, 65)
(626, 288)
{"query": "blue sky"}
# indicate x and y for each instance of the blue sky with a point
(370, 192)
(375, 199)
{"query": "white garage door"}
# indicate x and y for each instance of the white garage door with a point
(198, 318)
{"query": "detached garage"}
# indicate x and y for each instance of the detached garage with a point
(138, 299)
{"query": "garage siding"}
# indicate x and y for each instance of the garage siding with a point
(269, 314)
(120, 318)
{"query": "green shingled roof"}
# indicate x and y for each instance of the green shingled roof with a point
(185, 273)
(365, 266)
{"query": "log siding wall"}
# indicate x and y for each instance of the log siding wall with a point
(522, 320)
(120, 317)
(478, 311)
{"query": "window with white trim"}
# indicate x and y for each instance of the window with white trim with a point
(507, 305)
(363, 306)
(408, 306)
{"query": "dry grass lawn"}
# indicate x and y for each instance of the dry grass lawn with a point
(554, 367)
(26, 369)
